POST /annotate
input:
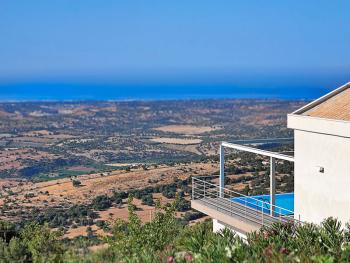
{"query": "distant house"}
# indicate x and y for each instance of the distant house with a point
(321, 173)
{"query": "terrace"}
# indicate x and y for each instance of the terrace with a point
(238, 211)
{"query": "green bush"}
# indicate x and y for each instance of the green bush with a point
(34, 243)
(166, 239)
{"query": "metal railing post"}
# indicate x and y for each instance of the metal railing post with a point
(272, 185)
(222, 170)
(262, 214)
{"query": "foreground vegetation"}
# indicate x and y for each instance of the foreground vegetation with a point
(167, 239)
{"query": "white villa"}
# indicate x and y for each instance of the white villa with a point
(321, 173)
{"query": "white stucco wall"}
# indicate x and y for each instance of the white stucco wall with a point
(218, 226)
(320, 195)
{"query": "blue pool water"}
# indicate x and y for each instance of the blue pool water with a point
(285, 201)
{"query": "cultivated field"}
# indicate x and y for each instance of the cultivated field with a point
(181, 141)
(186, 129)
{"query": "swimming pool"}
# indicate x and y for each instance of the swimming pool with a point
(285, 200)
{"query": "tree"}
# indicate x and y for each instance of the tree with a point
(135, 240)
(147, 200)
(14, 251)
(7, 231)
(43, 244)
(102, 202)
(76, 183)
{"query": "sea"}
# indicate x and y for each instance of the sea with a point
(121, 92)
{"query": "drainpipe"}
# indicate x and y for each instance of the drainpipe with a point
(272, 185)
(222, 171)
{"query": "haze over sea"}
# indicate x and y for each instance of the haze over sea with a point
(249, 86)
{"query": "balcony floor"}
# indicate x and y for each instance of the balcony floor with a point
(241, 218)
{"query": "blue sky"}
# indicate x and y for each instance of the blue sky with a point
(164, 39)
